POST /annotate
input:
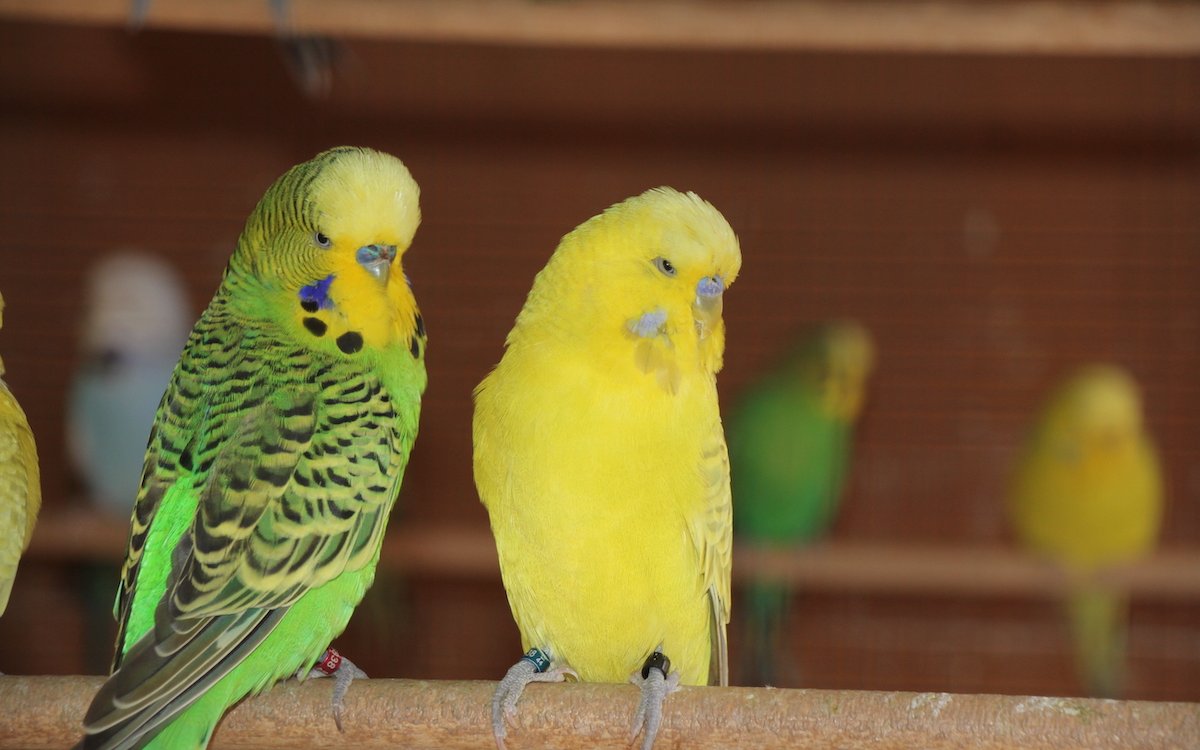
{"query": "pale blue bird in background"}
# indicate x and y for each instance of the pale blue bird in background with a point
(136, 320)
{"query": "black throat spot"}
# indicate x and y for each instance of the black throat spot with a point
(350, 342)
(315, 326)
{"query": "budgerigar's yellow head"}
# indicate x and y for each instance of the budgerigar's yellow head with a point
(325, 244)
(1096, 413)
(650, 272)
(835, 361)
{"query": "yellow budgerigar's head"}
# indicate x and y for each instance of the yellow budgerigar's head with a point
(1098, 411)
(325, 245)
(650, 271)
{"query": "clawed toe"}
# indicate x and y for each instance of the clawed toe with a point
(533, 667)
(343, 671)
(656, 682)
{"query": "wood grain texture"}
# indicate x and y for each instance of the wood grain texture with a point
(1011, 26)
(417, 714)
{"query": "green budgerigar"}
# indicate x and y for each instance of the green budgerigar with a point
(790, 441)
(275, 457)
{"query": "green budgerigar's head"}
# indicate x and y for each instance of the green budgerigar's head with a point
(324, 248)
(834, 361)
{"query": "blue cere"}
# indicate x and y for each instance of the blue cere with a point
(710, 286)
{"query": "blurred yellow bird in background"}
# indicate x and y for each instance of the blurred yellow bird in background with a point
(1088, 495)
(20, 485)
(601, 459)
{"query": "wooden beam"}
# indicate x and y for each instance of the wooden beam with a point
(44, 712)
(1088, 27)
(844, 566)
(964, 571)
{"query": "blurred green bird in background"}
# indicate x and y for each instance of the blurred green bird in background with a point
(789, 448)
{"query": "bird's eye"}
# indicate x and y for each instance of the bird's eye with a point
(322, 240)
(664, 265)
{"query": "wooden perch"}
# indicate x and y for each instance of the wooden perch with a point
(968, 571)
(1010, 26)
(44, 712)
(452, 551)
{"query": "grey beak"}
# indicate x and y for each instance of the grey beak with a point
(707, 308)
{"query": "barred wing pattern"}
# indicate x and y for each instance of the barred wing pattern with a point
(295, 459)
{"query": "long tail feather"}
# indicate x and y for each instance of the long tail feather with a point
(1099, 623)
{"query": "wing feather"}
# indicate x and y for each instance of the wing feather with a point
(712, 532)
(20, 488)
(294, 482)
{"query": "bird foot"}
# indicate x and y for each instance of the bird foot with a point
(656, 684)
(533, 667)
(343, 671)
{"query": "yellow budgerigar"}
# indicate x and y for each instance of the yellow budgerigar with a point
(1088, 495)
(601, 459)
(20, 488)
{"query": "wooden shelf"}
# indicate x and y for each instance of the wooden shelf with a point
(1112, 27)
(455, 551)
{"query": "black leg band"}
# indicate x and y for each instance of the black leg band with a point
(658, 661)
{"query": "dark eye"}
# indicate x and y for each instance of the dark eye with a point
(664, 265)
(322, 240)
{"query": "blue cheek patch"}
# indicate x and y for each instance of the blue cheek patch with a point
(650, 324)
(315, 296)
